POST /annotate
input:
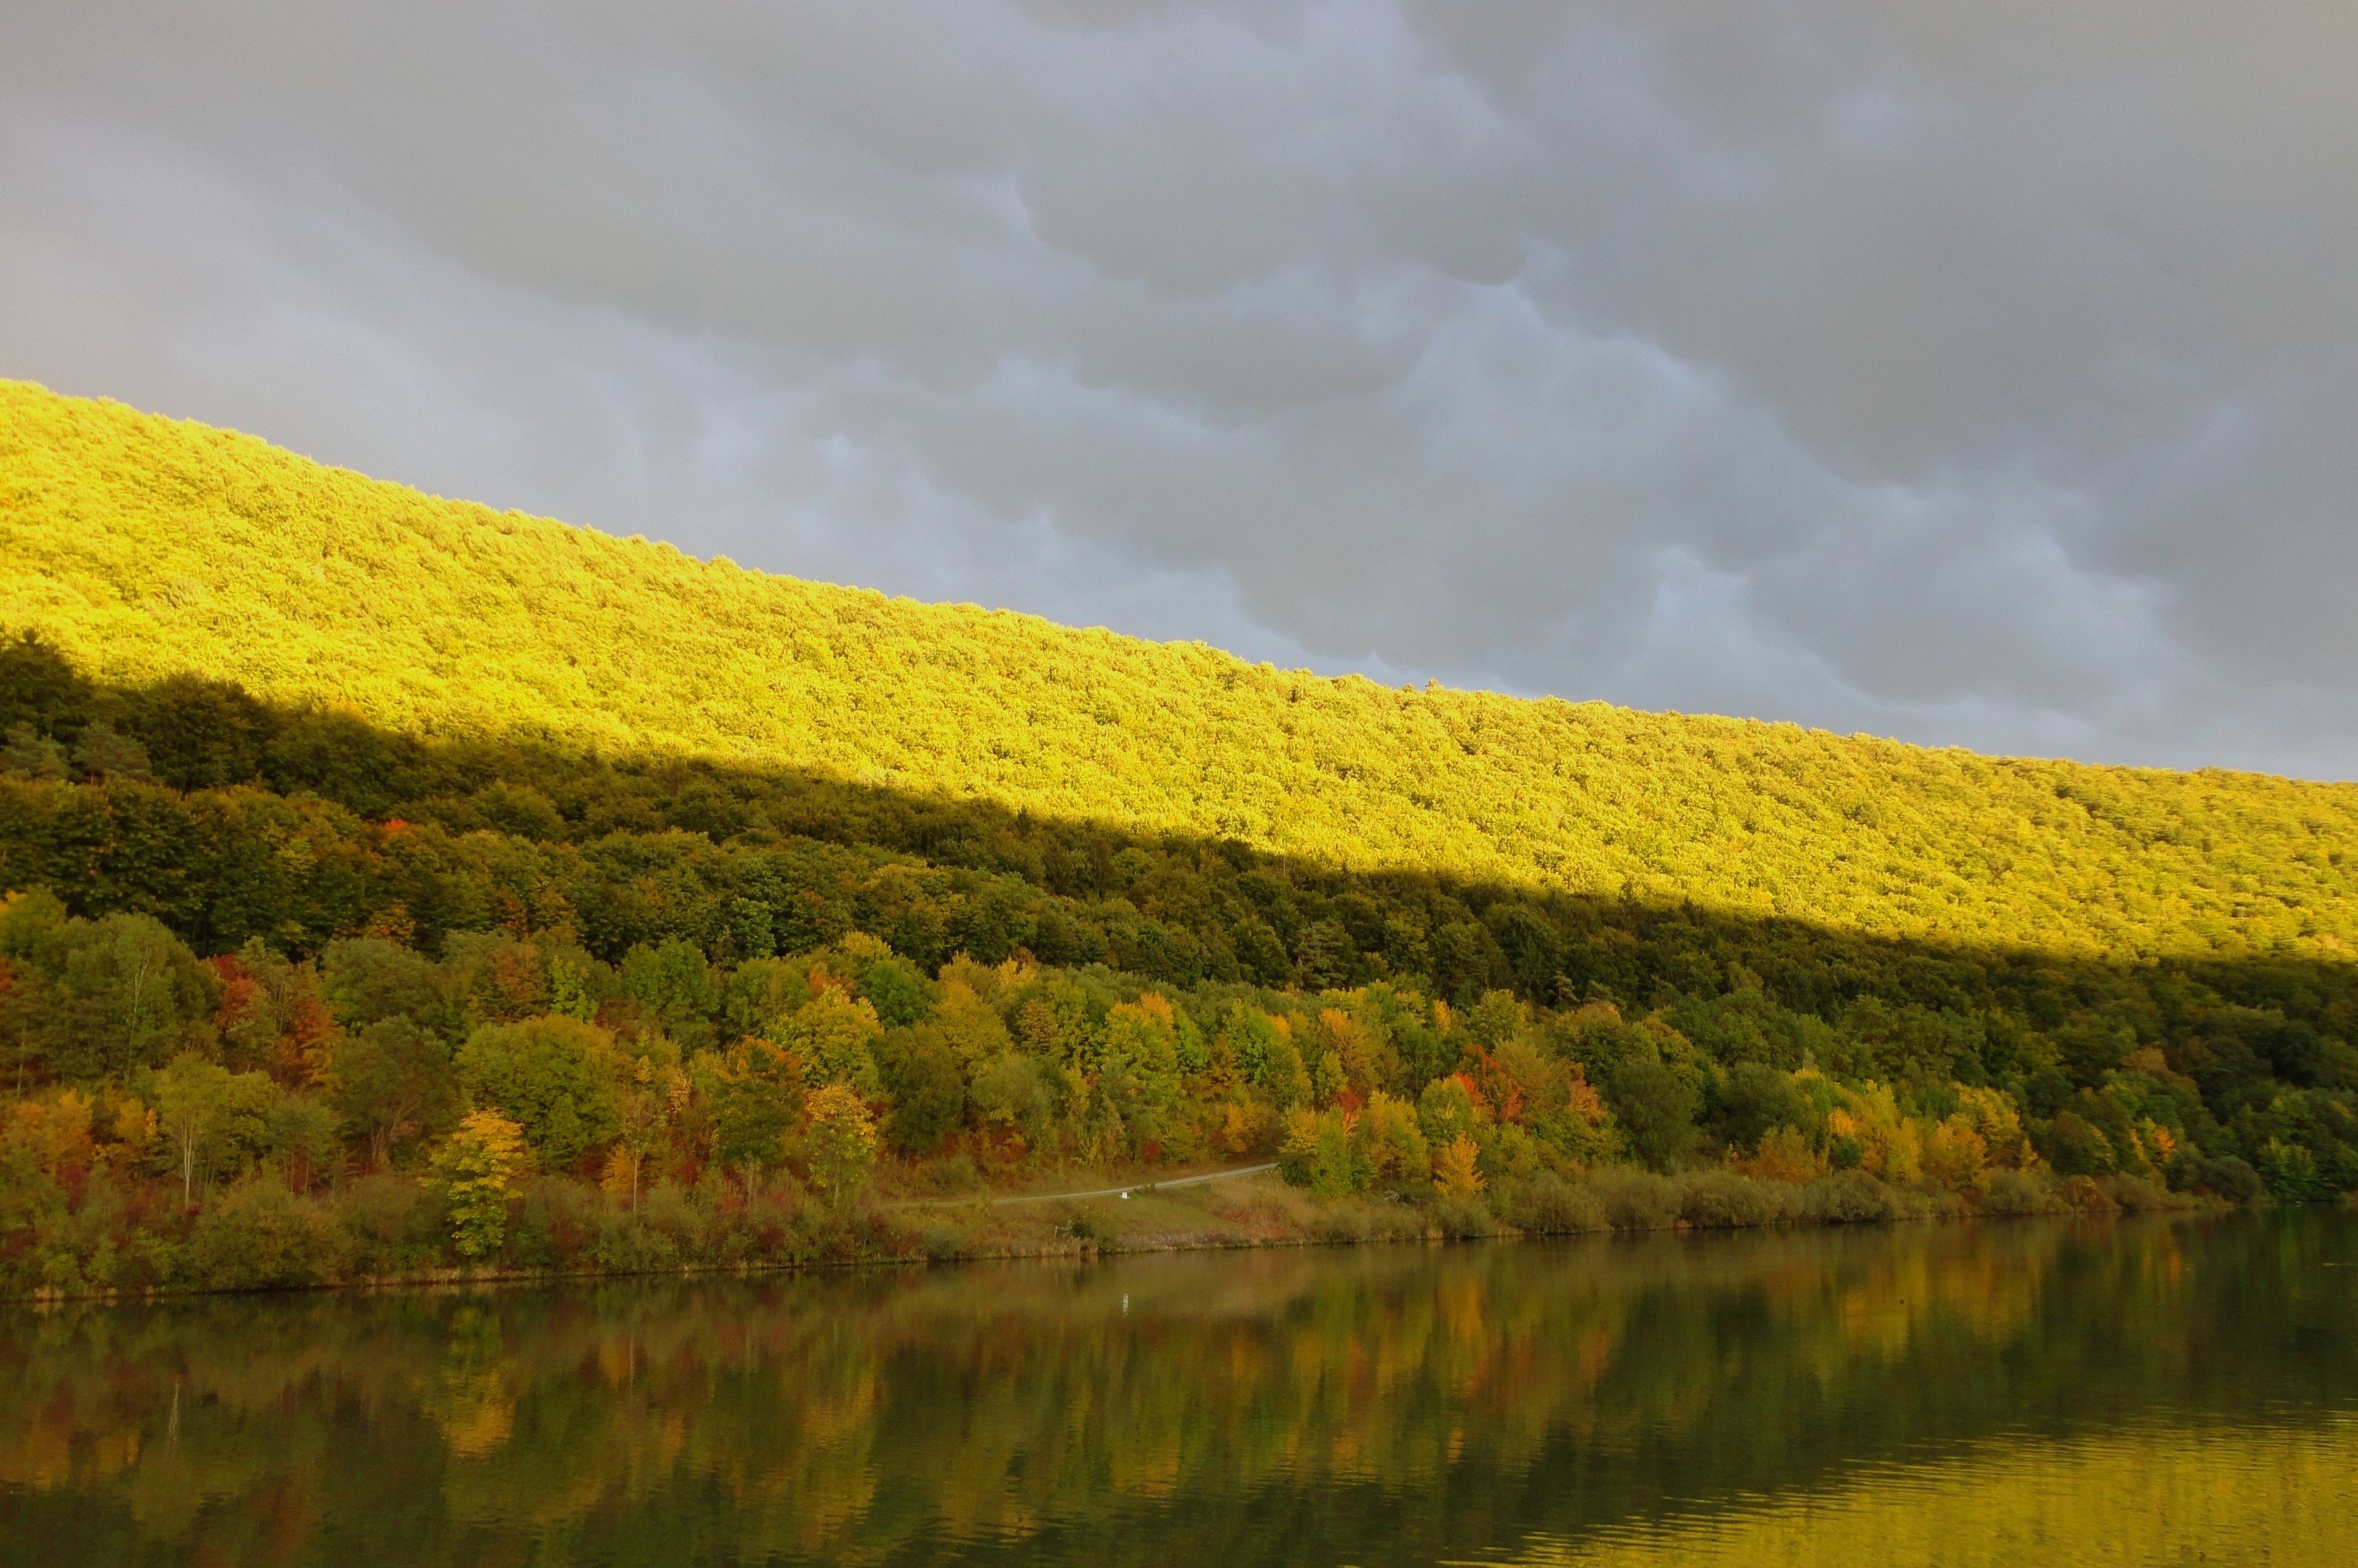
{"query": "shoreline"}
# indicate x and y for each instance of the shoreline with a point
(1288, 1217)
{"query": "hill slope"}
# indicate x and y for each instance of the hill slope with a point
(145, 546)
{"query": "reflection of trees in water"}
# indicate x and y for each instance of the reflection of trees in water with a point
(1381, 1404)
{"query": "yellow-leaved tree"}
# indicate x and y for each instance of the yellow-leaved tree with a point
(477, 1169)
(1454, 1168)
(839, 1139)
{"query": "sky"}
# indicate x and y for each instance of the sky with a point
(1980, 375)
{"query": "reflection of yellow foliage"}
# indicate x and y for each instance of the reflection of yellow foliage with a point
(111, 1453)
(39, 1457)
(476, 1416)
(2155, 1496)
(1150, 1474)
(1874, 1322)
(473, 1400)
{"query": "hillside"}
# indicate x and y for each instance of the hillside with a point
(143, 547)
(444, 889)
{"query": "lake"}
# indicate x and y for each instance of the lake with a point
(2140, 1392)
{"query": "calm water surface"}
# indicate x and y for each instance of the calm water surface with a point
(2139, 1392)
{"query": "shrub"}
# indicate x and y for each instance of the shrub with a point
(2083, 1195)
(950, 1177)
(2230, 1178)
(261, 1237)
(553, 1223)
(1635, 1200)
(1721, 1199)
(390, 1224)
(1847, 1197)
(2135, 1194)
(1549, 1204)
(1085, 1226)
(628, 1244)
(671, 1209)
(1463, 1216)
(1344, 1223)
(2017, 1193)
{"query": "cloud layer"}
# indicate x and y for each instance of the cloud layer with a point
(1978, 376)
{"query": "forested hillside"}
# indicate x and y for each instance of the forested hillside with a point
(392, 883)
(144, 548)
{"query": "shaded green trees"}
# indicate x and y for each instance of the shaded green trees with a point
(89, 998)
(391, 1079)
(209, 1117)
(556, 1077)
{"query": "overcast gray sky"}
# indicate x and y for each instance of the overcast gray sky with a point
(1980, 374)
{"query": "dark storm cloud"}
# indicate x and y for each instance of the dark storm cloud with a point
(1978, 374)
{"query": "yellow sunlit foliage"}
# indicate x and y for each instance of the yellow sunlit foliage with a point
(145, 546)
(1453, 1166)
(478, 1169)
(1785, 1156)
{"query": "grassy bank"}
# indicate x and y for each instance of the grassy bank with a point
(383, 1231)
